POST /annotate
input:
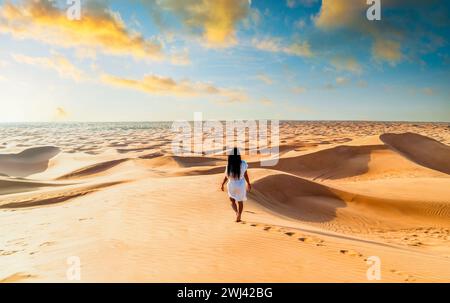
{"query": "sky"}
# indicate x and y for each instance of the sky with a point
(163, 60)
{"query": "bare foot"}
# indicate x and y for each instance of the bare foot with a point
(238, 219)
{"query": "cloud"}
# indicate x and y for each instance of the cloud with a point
(165, 86)
(298, 90)
(268, 44)
(349, 64)
(329, 86)
(428, 91)
(362, 84)
(297, 3)
(403, 32)
(299, 49)
(351, 15)
(180, 57)
(216, 20)
(275, 45)
(291, 3)
(266, 101)
(61, 113)
(56, 62)
(265, 78)
(387, 50)
(340, 13)
(299, 24)
(99, 29)
(341, 80)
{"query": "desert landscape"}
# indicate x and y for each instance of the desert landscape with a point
(114, 196)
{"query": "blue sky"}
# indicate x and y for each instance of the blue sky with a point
(230, 59)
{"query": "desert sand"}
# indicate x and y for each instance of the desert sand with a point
(117, 199)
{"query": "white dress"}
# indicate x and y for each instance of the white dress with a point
(236, 187)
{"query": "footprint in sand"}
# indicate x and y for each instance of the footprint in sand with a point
(350, 252)
(416, 244)
(85, 219)
(289, 233)
(8, 253)
(18, 242)
(406, 277)
(310, 240)
(46, 244)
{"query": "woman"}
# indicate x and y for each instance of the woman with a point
(236, 176)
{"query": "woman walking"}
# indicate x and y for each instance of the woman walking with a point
(236, 175)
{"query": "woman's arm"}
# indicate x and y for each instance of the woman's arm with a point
(248, 181)
(224, 182)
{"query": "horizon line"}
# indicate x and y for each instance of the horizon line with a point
(175, 120)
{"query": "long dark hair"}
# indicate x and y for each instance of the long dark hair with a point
(234, 164)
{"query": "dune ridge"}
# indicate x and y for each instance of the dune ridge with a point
(52, 197)
(10, 186)
(309, 201)
(92, 169)
(420, 149)
(27, 162)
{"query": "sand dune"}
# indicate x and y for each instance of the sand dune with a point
(198, 161)
(10, 186)
(174, 162)
(338, 195)
(309, 201)
(152, 161)
(420, 149)
(27, 162)
(46, 198)
(297, 198)
(358, 162)
(92, 170)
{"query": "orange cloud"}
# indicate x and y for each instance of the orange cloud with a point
(387, 50)
(158, 85)
(61, 113)
(98, 29)
(216, 19)
(346, 64)
(299, 49)
(298, 90)
(275, 45)
(341, 80)
(340, 13)
(265, 78)
(351, 15)
(266, 101)
(56, 62)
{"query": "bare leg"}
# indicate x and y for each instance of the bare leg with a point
(239, 213)
(233, 205)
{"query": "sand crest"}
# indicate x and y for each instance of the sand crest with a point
(27, 162)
